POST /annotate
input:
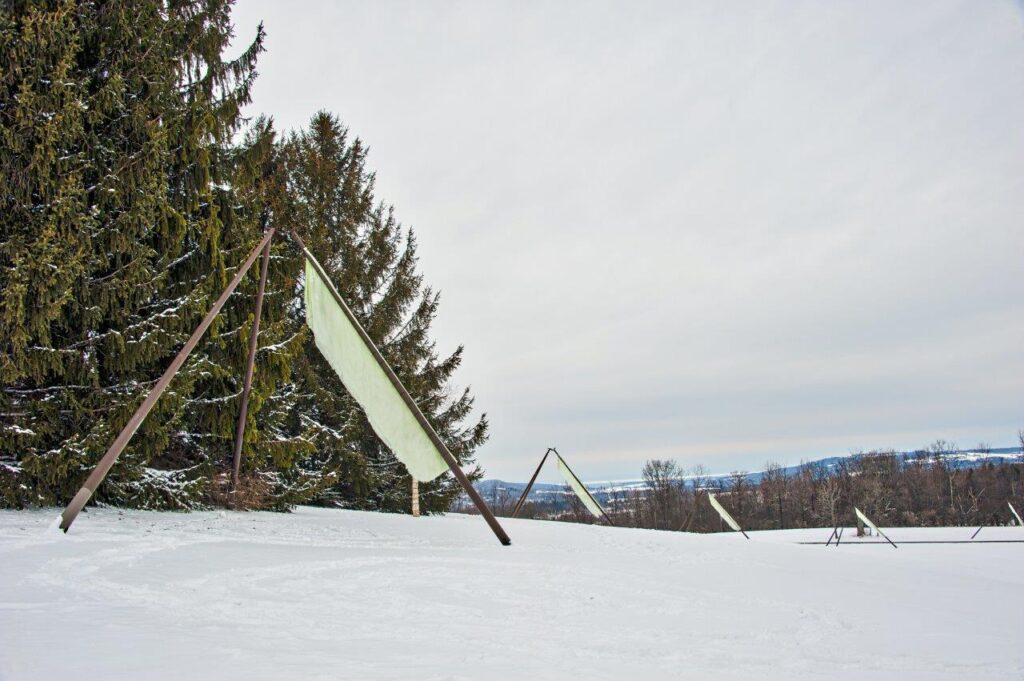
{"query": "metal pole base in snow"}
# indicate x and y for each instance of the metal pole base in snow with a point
(887, 538)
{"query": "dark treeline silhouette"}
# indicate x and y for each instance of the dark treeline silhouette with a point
(926, 489)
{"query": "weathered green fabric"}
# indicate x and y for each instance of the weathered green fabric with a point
(866, 521)
(588, 500)
(1020, 522)
(729, 520)
(366, 381)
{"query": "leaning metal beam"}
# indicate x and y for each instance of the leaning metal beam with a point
(107, 462)
(529, 485)
(243, 407)
(452, 462)
(835, 532)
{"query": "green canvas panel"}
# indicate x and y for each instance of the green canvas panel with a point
(867, 522)
(588, 500)
(1020, 522)
(344, 349)
(729, 520)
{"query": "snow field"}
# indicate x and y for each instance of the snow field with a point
(326, 594)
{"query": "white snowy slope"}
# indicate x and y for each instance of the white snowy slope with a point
(321, 594)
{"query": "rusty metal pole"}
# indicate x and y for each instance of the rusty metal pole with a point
(243, 407)
(107, 462)
(442, 449)
(529, 485)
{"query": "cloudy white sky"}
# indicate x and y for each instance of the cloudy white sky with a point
(720, 232)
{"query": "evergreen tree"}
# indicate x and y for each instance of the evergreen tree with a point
(279, 467)
(124, 213)
(372, 261)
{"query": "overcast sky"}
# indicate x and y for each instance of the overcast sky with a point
(722, 232)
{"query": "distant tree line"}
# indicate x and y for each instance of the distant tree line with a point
(924, 489)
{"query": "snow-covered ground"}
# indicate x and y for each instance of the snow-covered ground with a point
(321, 594)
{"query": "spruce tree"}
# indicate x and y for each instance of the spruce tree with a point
(372, 261)
(124, 213)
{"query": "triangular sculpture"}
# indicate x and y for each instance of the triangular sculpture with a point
(391, 411)
(571, 480)
(837, 531)
(864, 519)
(725, 515)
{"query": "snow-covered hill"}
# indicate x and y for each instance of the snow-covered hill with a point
(322, 594)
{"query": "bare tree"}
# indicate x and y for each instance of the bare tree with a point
(829, 489)
(773, 488)
(663, 478)
(694, 492)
